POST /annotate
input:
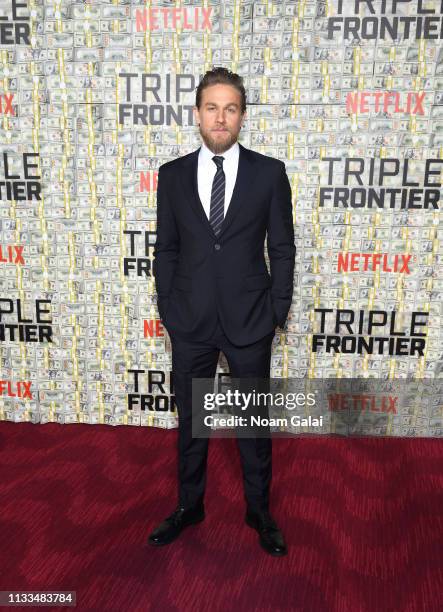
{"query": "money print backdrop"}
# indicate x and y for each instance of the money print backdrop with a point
(95, 96)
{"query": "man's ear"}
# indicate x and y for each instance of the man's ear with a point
(243, 119)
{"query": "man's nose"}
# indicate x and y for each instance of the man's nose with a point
(220, 117)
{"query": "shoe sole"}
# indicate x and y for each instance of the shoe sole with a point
(253, 525)
(194, 522)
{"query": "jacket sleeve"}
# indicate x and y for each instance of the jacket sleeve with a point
(167, 245)
(281, 246)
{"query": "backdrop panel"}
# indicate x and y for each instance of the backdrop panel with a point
(95, 96)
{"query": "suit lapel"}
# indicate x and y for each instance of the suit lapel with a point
(243, 183)
(190, 188)
(244, 180)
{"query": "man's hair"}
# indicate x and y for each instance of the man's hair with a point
(222, 76)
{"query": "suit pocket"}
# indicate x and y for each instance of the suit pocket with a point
(182, 283)
(257, 281)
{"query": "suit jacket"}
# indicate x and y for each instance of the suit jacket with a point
(199, 275)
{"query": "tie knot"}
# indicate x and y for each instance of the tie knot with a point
(218, 161)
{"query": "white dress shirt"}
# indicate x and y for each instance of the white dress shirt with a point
(206, 172)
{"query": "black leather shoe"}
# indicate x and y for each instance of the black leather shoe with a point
(271, 538)
(172, 526)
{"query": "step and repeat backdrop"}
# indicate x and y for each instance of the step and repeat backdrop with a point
(95, 96)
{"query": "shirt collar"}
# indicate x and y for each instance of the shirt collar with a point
(231, 154)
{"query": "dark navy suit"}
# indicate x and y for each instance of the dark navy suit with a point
(215, 293)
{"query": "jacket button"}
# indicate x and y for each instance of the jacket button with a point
(217, 247)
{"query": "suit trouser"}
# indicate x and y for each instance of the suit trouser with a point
(198, 359)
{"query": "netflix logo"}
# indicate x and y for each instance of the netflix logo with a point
(148, 181)
(164, 18)
(362, 403)
(153, 328)
(390, 102)
(373, 262)
(6, 107)
(20, 389)
(12, 254)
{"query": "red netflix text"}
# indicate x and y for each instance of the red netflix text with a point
(148, 181)
(6, 104)
(364, 262)
(12, 254)
(153, 328)
(362, 403)
(409, 103)
(189, 18)
(21, 388)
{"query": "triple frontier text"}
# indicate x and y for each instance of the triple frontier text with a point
(14, 26)
(356, 182)
(372, 332)
(157, 99)
(385, 20)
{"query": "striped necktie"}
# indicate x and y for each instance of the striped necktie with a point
(216, 213)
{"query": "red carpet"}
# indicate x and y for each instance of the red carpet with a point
(363, 520)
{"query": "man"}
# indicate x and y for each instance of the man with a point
(214, 208)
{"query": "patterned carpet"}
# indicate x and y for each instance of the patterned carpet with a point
(363, 520)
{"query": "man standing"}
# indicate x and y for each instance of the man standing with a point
(214, 209)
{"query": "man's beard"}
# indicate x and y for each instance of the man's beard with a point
(217, 146)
